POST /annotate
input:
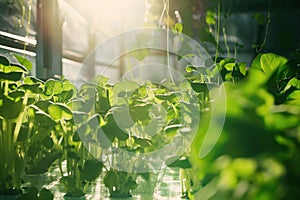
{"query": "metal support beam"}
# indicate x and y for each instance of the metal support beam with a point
(49, 40)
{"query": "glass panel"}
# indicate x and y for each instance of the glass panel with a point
(18, 17)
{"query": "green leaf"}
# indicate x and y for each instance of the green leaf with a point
(43, 105)
(210, 17)
(283, 121)
(122, 94)
(10, 109)
(53, 87)
(45, 162)
(172, 130)
(242, 68)
(260, 18)
(230, 66)
(45, 194)
(43, 119)
(170, 96)
(88, 91)
(95, 121)
(190, 68)
(83, 131)
(122, 116)
(32, 80)
(270, 62)
(68, 181)
(76, 137)
(34, 88)
(4, 61)
(79, 117)
(182, 162)
(178, 28)
(130, 183)
(114, 132)
(139, 112)
(230, 61)
(91, 170)
(145, 175)
(79, 105)
(294, 82)
(39, 117)
(31, 193)
(13, 67)
(12, 76)
(69, 91)
(16, 95)
(256, 62)
(23, 133)
(203, 87)
(73, 155)
(104, 139)
(65, 96)
(32, 151)
(23, 61)
(101, 80)
(120, 87)
(109, 134)
(140, 54)
(103, 102)
(294, 95)
(111, 127)
(142, 141)
(48, 142)
(59, 111)
(111, 180)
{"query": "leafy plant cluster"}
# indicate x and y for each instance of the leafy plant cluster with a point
(54, 124)
(136, 118)
(37, 130)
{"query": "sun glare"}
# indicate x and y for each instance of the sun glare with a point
(113, 15)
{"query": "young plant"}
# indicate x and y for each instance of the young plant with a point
(137, 118)
(78, 169)
(35, 135)
(14, 100)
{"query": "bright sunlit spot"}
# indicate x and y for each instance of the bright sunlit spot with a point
(111, 16)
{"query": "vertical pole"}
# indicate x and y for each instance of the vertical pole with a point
(49, 40)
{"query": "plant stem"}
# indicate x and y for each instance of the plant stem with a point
(6, 87)
(235, 51)
(168, 41)
(66, 144)
(259, 47)
(162, 14)
(28, 21)
(218, 30)
(20, 118)
(225, 41)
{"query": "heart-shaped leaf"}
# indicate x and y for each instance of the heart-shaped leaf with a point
(91, 170)
(53, 87)
(4, 61)
(182, 162)
(12, 76)
(23, 61)
(10, 109)
(59, 111)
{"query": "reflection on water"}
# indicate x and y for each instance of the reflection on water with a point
(161, 186)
